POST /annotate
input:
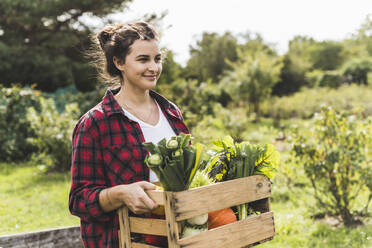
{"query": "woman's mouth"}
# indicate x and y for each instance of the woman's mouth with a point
(150, 77)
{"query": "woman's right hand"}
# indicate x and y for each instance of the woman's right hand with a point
(135, 198)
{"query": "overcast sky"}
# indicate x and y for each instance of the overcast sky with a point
(277, 21)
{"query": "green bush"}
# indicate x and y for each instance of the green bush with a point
(357, 70)
(53, 134)
(319, 78)
(195, 99)
(336, 155)
(233, 122)
(305, 103)
(67, 95)
(14, 127)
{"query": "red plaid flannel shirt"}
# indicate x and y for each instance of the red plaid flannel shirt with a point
(107, 150)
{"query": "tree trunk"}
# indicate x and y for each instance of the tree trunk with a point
(347, 217)
(256, 109)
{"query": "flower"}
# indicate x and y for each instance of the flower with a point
(219, 176)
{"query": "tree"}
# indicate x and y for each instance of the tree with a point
(296, 64)
(42, 41)
(357, 70)
(326, 55)
(252, 77)
(208, 57)
(363, 37)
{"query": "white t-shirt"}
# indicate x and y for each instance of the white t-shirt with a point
(153, 133)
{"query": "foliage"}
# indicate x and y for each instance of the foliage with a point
(70, 95)
(362, 40)
(211, 126)
(326, 55)
(14, 127)
(307, 55)
(292, 78)
(296, 64)
(252, 78)
(319, 78)
(357, 70)
(336, 160)
(305, 103)
(42, 41)
(53, 134)
(209, 55)
(195, 99)
(231, 160)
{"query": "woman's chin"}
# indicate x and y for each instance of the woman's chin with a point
(149, 85)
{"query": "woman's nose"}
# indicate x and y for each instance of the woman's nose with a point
(153, 66)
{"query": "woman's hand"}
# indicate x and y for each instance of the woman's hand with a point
(132, 195)
(136, 199)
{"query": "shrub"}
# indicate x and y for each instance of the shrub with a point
(195, 99)
(305, 103)
(336, 161)
(319, 78)
(53, 133)
(357, 70)
(234, 122)
(67, 95)
(14, 127)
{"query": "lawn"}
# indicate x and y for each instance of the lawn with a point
(32, 200)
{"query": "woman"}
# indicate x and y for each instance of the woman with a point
(107, 152)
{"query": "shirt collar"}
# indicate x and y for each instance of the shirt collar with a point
(111, 106)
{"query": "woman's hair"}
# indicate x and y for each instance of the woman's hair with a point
(115, 41)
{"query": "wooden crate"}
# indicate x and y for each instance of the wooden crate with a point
(179, 206)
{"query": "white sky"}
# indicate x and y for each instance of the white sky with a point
(278, 21)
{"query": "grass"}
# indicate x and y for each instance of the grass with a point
(295, 227)
(31, 200)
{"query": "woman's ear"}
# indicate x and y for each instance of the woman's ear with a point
(119, 64)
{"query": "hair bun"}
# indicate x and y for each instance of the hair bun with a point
(103, 38)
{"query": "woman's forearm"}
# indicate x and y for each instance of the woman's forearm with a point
(109, 200)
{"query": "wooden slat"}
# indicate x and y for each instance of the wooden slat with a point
(260, 242)
(140, 245)
(209, 198)
(124, 227)
(237, 234)
(119, 236)
(172, 226)
(156, 195)
(148, 226)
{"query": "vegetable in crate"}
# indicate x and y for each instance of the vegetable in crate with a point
(174, 162)
(236, 160)
(197, 224)
(221, 217)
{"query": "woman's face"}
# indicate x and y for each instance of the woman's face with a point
(143, 65)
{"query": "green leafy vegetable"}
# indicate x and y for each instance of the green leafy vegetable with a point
(174, 162)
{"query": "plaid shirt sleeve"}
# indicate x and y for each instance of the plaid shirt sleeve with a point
(88, 178)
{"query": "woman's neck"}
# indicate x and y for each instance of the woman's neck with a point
(133, 97)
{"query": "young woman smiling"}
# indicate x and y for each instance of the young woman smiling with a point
(107, 153)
